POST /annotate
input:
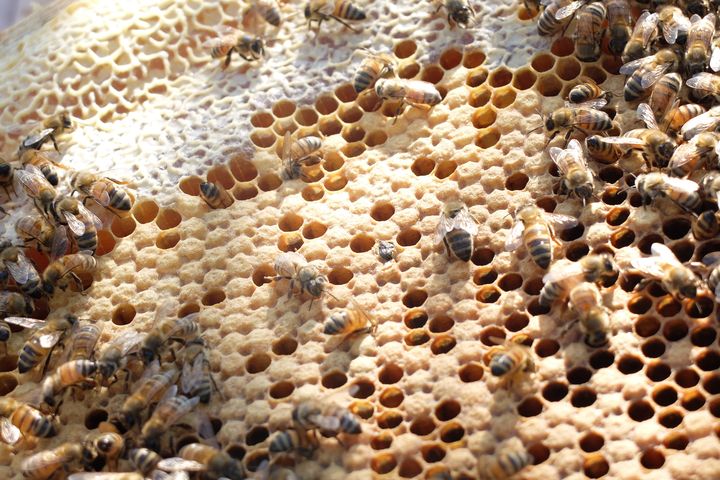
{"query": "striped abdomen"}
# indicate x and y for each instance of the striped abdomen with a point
(30, 355)
(508, 464)
(502, 364)
(345, 9)
(282, 442)
(460, 243)
(633, 87)
(537, 241)
(680, 116)
(705, 227)
(215, 195)
(550, 292)
(547, 24)
(365, 76)
(88, 241)
(30, 421)
(221, 50)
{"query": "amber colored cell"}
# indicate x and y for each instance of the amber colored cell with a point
(391, 397)
(405, 49)
(575, 251)
(258, 363)
(442, 344)
(548, 85)
(188, 309)
(283, 109)
(409, 70)
(657, 371)
(441, 323)
(422, 166)
(390, 374)
(145, 211)
(675, 330)
(106, 243)
(554, 391)
(326, 104)
(334, 379)
(284, 346)
(628, 364)
(289, 242)
(503, 97)
(647, 326)
(123, 314)
(8, 383)
(382, 211)
(473, 58)
(375, 138)
(639, 304)
(362, 388)
(340, 276)
(483, 117)
(346, 93)
(711, 383)
(244, 191)
(653, 348)
(417, 337)
(306, 117)
(699, 307)
(452, 432)
(447, 410)
(422, 426)
(664, 395)
(543, 62)
(472, 372)
(8, 363)
(668, 307)
(640, 410)
(213, 297)
(591, 442)
(220, 175)
(500, 77)
(595, 466)
(353, 149)
(479, 97)
(290, 222)
(445, 169)
(652, 458)
(312, 193)
(516, 322)
(433, 452)
(613, 196)
(122, 226)
(382, 441)
(350, 115)
(597, 74)
(676, 441)
(335, 182)
(516, 181)
(361, 243)
(622, 237)
(533, 286)
(432, 74)
(389, 419)
(263, 274)
(546, 347)
(269, 182)
(263, 138)
(568, 68)
(492, 335)
(354, 133)
(383, 463)
(670, 417)
(262, 120)
(482, 256)
(168, 218)
(329, 127)
(524, 79)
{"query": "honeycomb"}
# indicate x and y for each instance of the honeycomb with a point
(155, 107)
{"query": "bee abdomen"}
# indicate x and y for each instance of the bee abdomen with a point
(633, 88)
(221, 51)
(87, 241)
(272, 16)
(119, 201)
(282, 442)
(460, 243)
(596, 339)
(363, 79)
(345, 9)
(500, 365)
(335, 324)
(540, 251)
(514, 462)
(580, 94)
(549, 293)
(28, 359)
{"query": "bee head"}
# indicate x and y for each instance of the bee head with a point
(208, 189)
(596, 339)
(49, 288)
(257, 47)
(461, 16)
(5, 168)
(65, 120)
(689, 290)
(549, 124)
(584, 191)
(307, 11)
(665, 151)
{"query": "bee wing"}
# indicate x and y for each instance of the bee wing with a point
(576, 148)
(560, 157)
(649, 79)
(175, 464)
(703, 81)
(568, 10)
(649, 266)
(287, 144)
(127, 341)
(645, 113)
(595, 103)
(561, 221)
(10, 433)
(630, 67)
(26, 322)
(624, 141)
(50, 339)
(572, 270)
(682, 184)
(191, 374)
(31, 178)
(91, 216)
(670, 31)
(32, 139)
(663, 252)
(683, 154)
(445, 225)
(465, 221)
(160, 475)
(711, 259)
(75, 225)
(646, 25)
(514, 238)
(715, 59)
(589, 116)
(178, 413)
(20, 271)
(701, 123)
(59, 243)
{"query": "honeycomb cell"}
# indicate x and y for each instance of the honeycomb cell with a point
(647, 326)
(383, 463)
(123, 314)
(516, 181)
(652, 458)
(409, 70)
(533, 286)
(597, 74)
(487, 294)
(583, 397)
(445, 168)
(579, 375)
(256, 460)
(576, 250)
(708, 360)
(610, 174)
(451, 432)
(592, 442)
(530, 407)
(353, 133)
(433, 452)
(95, 417)
(543, 62)
(503, 97)
(340, 276)
(629, 364)
(283, 109)
(362, 388)
(562, 47)
(256, 435)
(362, 409)
(390, 374)
(640, 410)
(711, 382)
(289, 242)
(376, 138)
(281, 390)
(500, 77)
(473, 58)
(334, 379)
(391, 397)
(687, 378)
(714, 408)
(699, 307)
(306, 117)
(312, 193)
(546, 347)
(524, 78)
(417, 337)
(258, 363)
(422, 426)
(351, 114)
(244, 191)
(622, 237)
(601, 359)
(326, 104)
(389, 420)
(290, 222)
(483, 117)
(432, 74)
(262, 120)
(657, 371)
(668, 307)
(548, 85)
(639, 304)
(664, 395)
(646, 242)
(442, 344)
(472, 372)
(670, 417)
(479, 97)
(188, 309)
(613, 196)
(422, 166)
(284, 346)
(262, 138)
(346, 93)
(145, 211)
(510, 281)
(675, 330)
(168, 218)
(405, 49)
(409, 468)
(554, 391)
(263, 274)
(220, 175)
(8, 363)
(382, 441)
(269, 182)
(567, 68)
(333, 161)
(106, 243)
(329, 127)
(676, 228)
(653, 348)
(8, 383)
(353, 149)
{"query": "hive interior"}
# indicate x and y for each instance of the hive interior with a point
(157, 108)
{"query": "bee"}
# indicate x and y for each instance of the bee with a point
(584, 300)
(215, 464)
(49, 463)
(294, 267)
(577, 176)
(510, 360)
(644, 33)
(144, 460)
(268, 10)
(115, 355)
(571, 118)
(504, 465)
(52, 127)
(387, 250)
(38, 188)
(695, 7)
(697, 49)
(44, 339)
(67, 375)
(12, 303)
(44, 163)
(104, 191)
(82, 223)
(706, 83)
(19, 418)
(679, 116)
(712, 263)
(460, 12)
(688, 157)
(117, 476)
(675, 25)
(149, 390)
(338, 10)
(456, 229)
(166, 329)
(298, 154)
(602, 151)
(107, 446)
(373, 66)
(44, 235)
(82, 346)
(677, 279)
(170, 409)
(292, 440)
(709, 120)
(197, 379)
(328, 418)
(58, 273)
(349, 321)
(562, 277)
(589, 31)
(645, 72)
(710, 187)
(229, 40)
(7, 176)
(21, 269)
(416, 93)
(706, 226)
(215, 195)
(587, 90)
(619, 25)
(682, 192)
(534, 227)
(664, 95)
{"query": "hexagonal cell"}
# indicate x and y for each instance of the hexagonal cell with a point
(548, 85)
(432, 74)
(592, 442)
(145, 211)
(408, 237)
(326, 104)
(122, 226)
(476, 77)
(382, 211)
(500, 77)
(487, 138)
(346, 93)
(123, 314)
(375, 138)
(258, 363)
(283, 108)
(503, 97)
(415, 318)
(484, 117)
(417, 337)
(213, 297)
(409, 70)
(568, 68)
(262, 120)
(391, 397)
(390, 374)
(290, 242)
(524, 78)
(422, 166)
(8, 383)
(306, 117)
(471, 372)
(405, 49)
(543, 62)
(383, 463)
(563, 47)
(389, 419)
(263, 138)
(595, 465)
(473, 58)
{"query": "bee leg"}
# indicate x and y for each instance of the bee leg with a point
(398, 111)
(219, 392)
(54, 142)
(228, 58)
(447, 248)
(344, 23)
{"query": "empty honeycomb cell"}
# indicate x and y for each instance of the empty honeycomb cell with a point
(442, 344)
(422, 166)
(414, 298)
(256, 435)
(670, 417)
(579, 375)
(533, 286)
(290, 222)
(652, 458)
(391, 397)
(613, 196)
(534, 308)
(555, 391)
(479, 97)
(362, 388)
(482, 256)
(289, 242)
(687, 377)
(409, 70)
(188, 309)
(510, 281)
(95, 417)
(576, 250)
(639, 304)
(329, 126)
(256, 460)
(392, 109)
(382, 211)
(530, 407)
(236, 451)
(447, 410)
(269, 182)
(390, 374)
(382, 441)
(326, 104)
(306, 117)
(657, 371)
(629, 364)
(257, 363)
(664, 395)
(106, 243)
(516, 181)
(622, 237)
(353, 149)
(548, 85)
(647, 326)
(8, 363)
(369, 101)
(471, 372)
(602, 359)
(699, 307)
(417, 337)
(123, 314)
(283, 108)
(592, 442)
(675, 330)
(676, 441)
(145, 211)
(487, 294)
(668, 307)
(383, 463)
(636, 200)
(503, 97)
(284, 346)
(8, 383)
(433, 452)
(653, 348)
(640, 410)
(567, 68)
(422, 426)
(562, 47)
(611, 64)
(597, 74)
(389, 419)
(451, 432)
(543, 62)
(409, 468)
(334, 379)
(583, 397)
(346, 93)
(351, 115)
(708, 360)
(361, 243)
(676, 228)
(441, 323)
(263, 138)
(312, 193)
(405, 49)
(711, 382)
(244, 191)
(168, 218)
(213, 297)
(263, 274)
(408, 237)
(524, 78)
(353, 133)
(445, 168)
(610, 174)
(262, 120)
(432, 74)
(714, 408)
(683, 250)
(340, 276)
(220, 175)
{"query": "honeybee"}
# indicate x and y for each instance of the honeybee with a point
(116, 354)
(679, 116)
(105, 191)
(248, 47)
(645, 32)
(456, 229)
(82, 223)
(52, 127)
(562, 277)
(44, 235)
(292, 440)
(675, 25)
(38, 188)
(46, 464)
(298, 154)
(293, 266)
(373, 66)
(695, 7)
(656, 146)
(688, 157)
(19, 418)
(589, 31)
(269, 10)
(697, 49)
(706, 226)
(460, 12)
(709, 120)
(577, 176)
(511, 360)
(585, 300)
(215, 464)
(168, 411)
(712, 263)
(387, 250)
(534, 227)
(44, 163)
(197, 379)
(416, 93)
(682, 192)
(167, 329)
(504, 465)
(349, 321)
(664, 95)
(706, 83)
(67, 375)
(41, 343)
(20, 269)
(327, 418)
(215, 195)
(677, 279)
(710, 187)
(82, 346)
(587, 90)
(645, 72)
(338, 10)
(149, 390)
(556, 15)
(602, 151)
(144, 460)
(59, 272)
(571, 118)
(108, 446)
(619, 25)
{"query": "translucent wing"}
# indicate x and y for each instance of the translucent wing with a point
(514, 238)
(20, 271)
(711, 259)
(287, 146)
(10, 433)
(663, 252)
(595, 103)
(646, 25)
(215, 42)
(180, 412)
(33, 139)
(174, 464)
(670, 31)
(445, 225)
(630, 67)
(557, 274)
(649, 266)
(60, 243)
(589, 116)
(625, 141)
(465, 221)
(568, 10)
(683, 154)
(90, 216)
(701, 123)
(26, 322)
(645, 113)
(704, 81)
(649, 79)
(74, 224)
(128, 341)
(50, 339)
(561, 221)
(32, 179)
(576, 147)
(715, 59)
(191, 374)
(682, 184)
